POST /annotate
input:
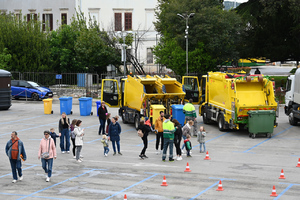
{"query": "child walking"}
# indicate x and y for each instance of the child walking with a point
(54, 135)
(104, 141)
(188, 145)
(201, 139)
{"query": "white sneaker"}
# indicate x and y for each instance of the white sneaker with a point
(74, 157)
(68, 152)
(182, 151)
(179, 158)
(157, 152)
(105, 155)
(63, 152)
(21, 178)
(81, 156)
(79, 160)
(47, 179)
(14, 181)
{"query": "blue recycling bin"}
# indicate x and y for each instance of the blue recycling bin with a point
(85, 106)
(98, 103)
(66, 105)
(177, 112)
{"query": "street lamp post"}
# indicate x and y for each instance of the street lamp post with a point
(186, 17)
(123, 34)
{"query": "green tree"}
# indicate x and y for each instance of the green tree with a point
(4, 59)
(26, 43)
(212, 31)
(272, 29)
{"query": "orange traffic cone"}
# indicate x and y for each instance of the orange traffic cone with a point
(298, 163)
(187, 169)
(220, 188)
(281, 175)
(273, 192)
(164, 183)
(125, 197)
(207, 156)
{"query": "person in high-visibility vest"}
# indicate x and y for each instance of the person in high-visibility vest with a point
(190, 114)
(168, 135)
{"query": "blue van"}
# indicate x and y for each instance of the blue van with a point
(29, 89)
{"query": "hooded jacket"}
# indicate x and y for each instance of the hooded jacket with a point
(169, 129)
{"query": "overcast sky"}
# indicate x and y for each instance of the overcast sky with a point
(241, 1)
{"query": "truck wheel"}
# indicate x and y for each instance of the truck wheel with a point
(136, 120)
(204, 117)
(293, 121)
(221, 122)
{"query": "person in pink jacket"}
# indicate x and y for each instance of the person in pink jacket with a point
(47, 152)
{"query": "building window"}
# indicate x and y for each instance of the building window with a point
(47, 22)
(128, 21)
(149, 55)
(31, 16)
(118, 21)
(64, 19)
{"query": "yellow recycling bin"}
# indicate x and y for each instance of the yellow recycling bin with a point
(48, 106)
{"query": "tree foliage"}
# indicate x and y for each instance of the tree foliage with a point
(213, 32)
(25, 42)
(272, 29)
(4, 59)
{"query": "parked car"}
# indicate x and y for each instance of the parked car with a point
(21, 89)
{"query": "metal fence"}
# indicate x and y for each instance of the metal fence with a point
(65, 84)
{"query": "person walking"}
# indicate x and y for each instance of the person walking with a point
(190, 114)
(47, 151)
(63, 127)
(78, 139)
(102, 112)
(159, 131)
(177, 138)
(145, 129)
(186, 130)
(53, 135)
(201, 139)
(114, 131)
(168, 135)
(104, 141)
(73, 136)
(15, 151)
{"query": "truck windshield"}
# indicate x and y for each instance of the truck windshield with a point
(288, 85)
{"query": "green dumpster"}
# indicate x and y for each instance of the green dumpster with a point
(261, 122)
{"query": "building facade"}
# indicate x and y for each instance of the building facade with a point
(119, 16)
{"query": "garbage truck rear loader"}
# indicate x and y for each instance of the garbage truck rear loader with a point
(237, 101)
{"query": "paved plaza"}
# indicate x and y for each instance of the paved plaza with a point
(248, 168)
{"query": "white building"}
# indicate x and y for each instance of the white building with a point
(112, 15)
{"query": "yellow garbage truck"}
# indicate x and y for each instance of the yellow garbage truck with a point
(142, 96)
(237, 101)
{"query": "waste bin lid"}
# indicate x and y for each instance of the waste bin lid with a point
(47, 99)
(176, 106)
(65, 98)
(84, 98)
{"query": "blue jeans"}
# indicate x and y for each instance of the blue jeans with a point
(102, 126)
(106, 150)
(168, 142)
(48, 169)
(184, 138)
(203, 147)
(16, 165)
(65, 135)
(118, 145)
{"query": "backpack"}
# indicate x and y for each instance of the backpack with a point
(140, 133)
(73, 136)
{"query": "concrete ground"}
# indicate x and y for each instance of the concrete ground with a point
(247, 167)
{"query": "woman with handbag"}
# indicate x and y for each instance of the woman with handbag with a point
(78, 139)
(47, 152)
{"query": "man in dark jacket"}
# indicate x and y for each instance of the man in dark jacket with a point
(15, 151)
(102, 112)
